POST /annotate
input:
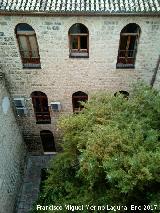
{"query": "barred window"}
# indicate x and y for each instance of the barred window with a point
(128, 46)
(28, 46)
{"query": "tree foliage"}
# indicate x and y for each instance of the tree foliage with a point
(111, 153)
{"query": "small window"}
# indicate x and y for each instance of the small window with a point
(78, 41)
(125, 94)
(28, 46)
(77, 98)
(40, 105)
(128, 46)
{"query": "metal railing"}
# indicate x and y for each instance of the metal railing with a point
(43, 117)
(126, 58)
(126, 54)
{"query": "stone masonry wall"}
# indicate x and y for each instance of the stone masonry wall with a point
(61, 76)
(12, 152)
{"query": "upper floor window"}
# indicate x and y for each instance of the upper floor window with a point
(78, 41)
(128, 46)
(28, 46)
(41, 109)
(77, 98)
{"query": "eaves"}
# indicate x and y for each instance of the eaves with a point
(34, 13)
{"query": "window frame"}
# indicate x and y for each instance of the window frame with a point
(42, 116)
(81, 98)
(78, 53)
(48, 142)
(129, 61)
(31, 61)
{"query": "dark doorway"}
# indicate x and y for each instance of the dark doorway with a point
(44, 176)
(41, 110)
(47, 141)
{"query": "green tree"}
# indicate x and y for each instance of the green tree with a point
(111, 153)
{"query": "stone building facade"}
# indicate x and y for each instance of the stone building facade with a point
(59, 76)
(12, 152)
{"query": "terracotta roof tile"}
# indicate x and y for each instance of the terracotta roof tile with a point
(85, 6)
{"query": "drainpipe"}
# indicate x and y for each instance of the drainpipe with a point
(155, 73)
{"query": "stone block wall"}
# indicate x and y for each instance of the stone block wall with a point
(61, 76)
(12, 152)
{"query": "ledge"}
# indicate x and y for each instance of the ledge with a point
(79, 55)
(125, 66)
(76, 13)
(31, 66)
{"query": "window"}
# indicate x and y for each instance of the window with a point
(78, 41)
(47, 142)
(128, 46)
(41, 110)
(28, 46)
(125, 94)
(77, 98)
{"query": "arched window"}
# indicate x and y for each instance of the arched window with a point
(128, 46)
(125, 94)
(40, 105)
(28, 46)
(77, 98)
(47, 139)
(78, 40)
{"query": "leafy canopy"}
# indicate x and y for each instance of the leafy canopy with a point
(111, 153)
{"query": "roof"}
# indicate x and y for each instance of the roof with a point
(81, 6)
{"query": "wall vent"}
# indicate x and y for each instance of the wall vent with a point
(21, 111)
(55, 106)
(20, 106)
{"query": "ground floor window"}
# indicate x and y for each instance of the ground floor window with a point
(48, 143)
(77, 98)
